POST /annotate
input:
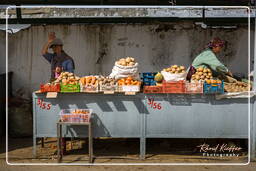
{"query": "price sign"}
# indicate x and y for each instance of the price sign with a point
(154, 105)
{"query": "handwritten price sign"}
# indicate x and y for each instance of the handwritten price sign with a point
(154, 105)
(43, 105)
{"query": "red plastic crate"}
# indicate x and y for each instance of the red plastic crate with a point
(50, 88)
(67, 115)
(153, 89)
(194, 88)
(174, 87)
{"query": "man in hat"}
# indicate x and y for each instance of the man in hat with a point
(59, 60)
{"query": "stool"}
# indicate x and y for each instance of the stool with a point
(59, 138)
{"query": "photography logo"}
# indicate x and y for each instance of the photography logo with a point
(219, 150)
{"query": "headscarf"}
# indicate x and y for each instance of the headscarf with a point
(216, 42)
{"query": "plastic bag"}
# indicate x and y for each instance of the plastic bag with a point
(174, 77)
(120, 71)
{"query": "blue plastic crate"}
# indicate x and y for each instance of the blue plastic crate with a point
(152, 83)
(148, 75)
(216, 88)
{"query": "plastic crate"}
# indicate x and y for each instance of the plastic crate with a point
(153, 89)
(175, 87)
(68, 115)
(148, 75)
(148, 78)
(130, 88)
(104, 87)
(69, 88)
(214, 88)
(89, 88)
(49, 88)
(194, 87)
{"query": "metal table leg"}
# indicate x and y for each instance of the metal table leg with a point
(90, 142)
(42, 142)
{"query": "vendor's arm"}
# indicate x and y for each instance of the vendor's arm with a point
(44, 51)
(208, 58)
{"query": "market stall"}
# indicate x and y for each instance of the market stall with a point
(147, 105)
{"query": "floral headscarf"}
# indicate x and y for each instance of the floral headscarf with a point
(216, 42)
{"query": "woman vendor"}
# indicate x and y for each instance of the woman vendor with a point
(208, 59)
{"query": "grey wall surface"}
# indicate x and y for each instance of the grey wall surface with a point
(96, 47)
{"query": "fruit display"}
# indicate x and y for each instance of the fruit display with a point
(67, 78)
(175, 69)
(202, 74)
(50, 87)
(107, 83)
(212, 81)
(159, 77)
(89, 81)
(89, 84)
(237, 87)
(128, 81)
(129, 61)
(80, 111)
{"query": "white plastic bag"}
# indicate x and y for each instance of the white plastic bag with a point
(174, 77)
(120, 71)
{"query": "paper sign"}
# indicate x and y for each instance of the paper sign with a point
(130, 93)
(108, 92)
(131, 88)
(51, 95)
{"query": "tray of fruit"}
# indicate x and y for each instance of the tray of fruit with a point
(89, 84)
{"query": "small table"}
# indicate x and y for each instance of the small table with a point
(59, 138)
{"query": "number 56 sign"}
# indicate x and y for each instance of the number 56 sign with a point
(153, 104)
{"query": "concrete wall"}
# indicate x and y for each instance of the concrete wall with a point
(96, 47)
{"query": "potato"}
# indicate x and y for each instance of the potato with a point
(132, 59)
(210, 74)
(197, 77)
(202, 77)
(175, 66)
(209, 71)
(123, 63)
(128, 60)
(182, 67)
(205, 74)
(131, 64)
(200, 73)
(205, 70)
(200, 69)
(173, 70)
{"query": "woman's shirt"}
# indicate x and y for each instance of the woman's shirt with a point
(208, 59)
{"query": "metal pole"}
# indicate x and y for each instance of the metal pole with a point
(34, 127)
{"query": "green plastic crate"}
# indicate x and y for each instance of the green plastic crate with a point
(69, 88)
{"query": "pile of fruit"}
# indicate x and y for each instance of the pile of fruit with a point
(158, 78)
(89, 81)
(80, 111)
(128, 81)
(129, 61)
(175, 69)
(67, 78)
(213, 81)
(107, 81)
(237, 87)
(202, 74)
